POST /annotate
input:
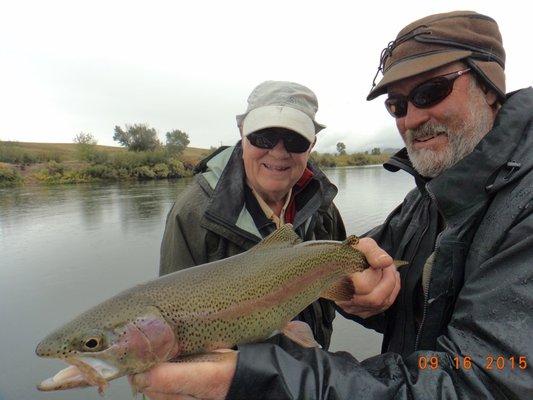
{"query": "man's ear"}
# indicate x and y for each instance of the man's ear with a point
(491, 98)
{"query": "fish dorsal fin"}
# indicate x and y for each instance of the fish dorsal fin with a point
(342, 290)
(283, 236)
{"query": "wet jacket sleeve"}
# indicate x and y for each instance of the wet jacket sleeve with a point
(183, 240)
(492, 319)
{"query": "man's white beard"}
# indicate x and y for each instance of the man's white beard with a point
(461, 140)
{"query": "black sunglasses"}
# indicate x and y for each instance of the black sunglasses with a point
(269, 138)
(425, 95)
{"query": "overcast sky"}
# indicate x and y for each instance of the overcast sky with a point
(68, 66)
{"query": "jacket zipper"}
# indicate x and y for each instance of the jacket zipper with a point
(409, 266)
(426, 289)
(426, 303)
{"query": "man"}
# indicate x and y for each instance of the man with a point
(247, 191)
(466, 230)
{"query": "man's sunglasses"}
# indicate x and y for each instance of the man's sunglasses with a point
(269, 138)
(425, 95)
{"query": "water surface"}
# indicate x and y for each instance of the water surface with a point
(65, 248)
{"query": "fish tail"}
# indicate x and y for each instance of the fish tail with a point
(343, 289)
(353, 241)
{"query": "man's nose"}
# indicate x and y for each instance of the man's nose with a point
(279, 149)
(415, 116)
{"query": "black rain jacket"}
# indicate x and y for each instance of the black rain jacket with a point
(476, 313)
(216, 217)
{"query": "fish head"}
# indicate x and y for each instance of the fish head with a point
(103, 344)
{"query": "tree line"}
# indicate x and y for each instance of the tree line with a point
(139, 137)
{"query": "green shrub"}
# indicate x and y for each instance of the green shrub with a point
(125, 160)
(9, 177)
(152, 158)
(99, 157)
(55, 168)
(131, 160)
(354, 159)
(161, 171)
(177, 169)
(86, 152)
(123, 173)
(72, 176)
(101, 172)
(51, 173)
(144, 172)
(359, 159)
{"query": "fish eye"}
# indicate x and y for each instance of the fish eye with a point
(92, 343)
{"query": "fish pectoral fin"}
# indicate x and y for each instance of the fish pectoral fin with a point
(301, 333)
(342, 290)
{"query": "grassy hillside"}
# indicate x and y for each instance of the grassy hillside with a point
(42, 152)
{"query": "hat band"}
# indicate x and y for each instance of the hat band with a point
(478, 51)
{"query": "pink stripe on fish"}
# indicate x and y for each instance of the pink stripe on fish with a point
(283, 293)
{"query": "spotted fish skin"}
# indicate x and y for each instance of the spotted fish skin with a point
(240, 299)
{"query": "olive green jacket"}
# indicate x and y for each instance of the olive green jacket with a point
(210, 221)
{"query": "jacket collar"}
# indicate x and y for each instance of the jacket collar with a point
(226, 213)
(475, 178)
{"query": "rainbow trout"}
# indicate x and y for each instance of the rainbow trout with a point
(240, 299)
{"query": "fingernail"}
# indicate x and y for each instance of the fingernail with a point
(383, 258)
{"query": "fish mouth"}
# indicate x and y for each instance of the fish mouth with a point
(82, 372)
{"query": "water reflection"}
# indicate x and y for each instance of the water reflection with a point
(92, 201)
(367, 194)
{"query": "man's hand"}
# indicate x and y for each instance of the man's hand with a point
(377, 287)
(188, 380)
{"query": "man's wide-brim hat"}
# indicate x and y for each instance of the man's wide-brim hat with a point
(441, 39)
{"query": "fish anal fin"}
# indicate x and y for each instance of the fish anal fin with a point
(301, 333)
(341, 290)
(284, 235)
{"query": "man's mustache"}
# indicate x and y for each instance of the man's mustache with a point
(426, 130)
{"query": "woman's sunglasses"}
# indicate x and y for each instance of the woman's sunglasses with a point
(269, 138)
(425, 95)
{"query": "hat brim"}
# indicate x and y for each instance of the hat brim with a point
(414, 66)
(279, 117)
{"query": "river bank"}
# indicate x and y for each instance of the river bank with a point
(52, 163)
(66, 163)
(71, 172)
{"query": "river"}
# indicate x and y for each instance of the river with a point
(65, 248)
